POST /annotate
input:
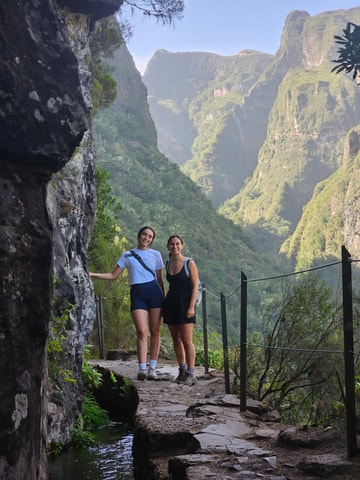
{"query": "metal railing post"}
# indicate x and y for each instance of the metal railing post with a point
(349, 352)
(225, 343)
(100, 325)
(243, 342)
(205, 333)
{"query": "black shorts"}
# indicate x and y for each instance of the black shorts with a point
(146, 296)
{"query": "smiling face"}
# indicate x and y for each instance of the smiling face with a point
(145, 237)
(175, 245)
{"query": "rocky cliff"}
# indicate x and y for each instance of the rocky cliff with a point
(202, 119)
(310, 117)
(46, 210)
(332, 217)
(272, 127)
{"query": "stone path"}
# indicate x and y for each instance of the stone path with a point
(198, 433)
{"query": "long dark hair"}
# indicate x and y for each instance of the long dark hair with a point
(145, 228)
(169, 240)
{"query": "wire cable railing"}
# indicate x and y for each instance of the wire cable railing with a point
(347, 352)
(348, 337)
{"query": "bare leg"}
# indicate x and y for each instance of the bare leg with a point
(177, 343)
(140, 319)
(186, 332)
(154, 326)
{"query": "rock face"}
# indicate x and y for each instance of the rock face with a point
(44, 116)
(43, 112)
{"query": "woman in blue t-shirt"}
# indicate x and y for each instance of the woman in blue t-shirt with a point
(144, 267)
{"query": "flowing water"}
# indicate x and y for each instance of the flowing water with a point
(111, 459)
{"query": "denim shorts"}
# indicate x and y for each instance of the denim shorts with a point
(145, 296)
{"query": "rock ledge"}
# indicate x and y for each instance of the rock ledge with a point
(198, 432)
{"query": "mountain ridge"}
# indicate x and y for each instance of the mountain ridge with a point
(295, 114)
(154, 191)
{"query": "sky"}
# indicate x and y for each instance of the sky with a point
(221, 26)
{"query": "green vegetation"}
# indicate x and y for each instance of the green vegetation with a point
(91, 377)
(105, 228)
(215, 348)
(263, 174)
(297, 180)
(296, 155)
(92, 416)
(164, 10)
(126, 388)
(80, 436)
(200, 121)
(349, 52)
(295, 364)
(316, 239)
(105, 39)
(160, 195)
(105, 248)
(295, 360)
(56, 347)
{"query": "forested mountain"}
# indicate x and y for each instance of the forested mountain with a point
(264, 136)
(195, 101)
(332, 217)
(259, 172)
(154, 191)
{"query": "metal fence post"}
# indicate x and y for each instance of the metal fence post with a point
(225, 343)
(100, 325)
(243, 342)
(349, 352)
(205, 333)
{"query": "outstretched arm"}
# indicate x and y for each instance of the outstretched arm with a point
(107, 276)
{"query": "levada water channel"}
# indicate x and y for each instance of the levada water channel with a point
(111, 459)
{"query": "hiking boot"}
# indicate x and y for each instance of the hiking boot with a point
(190, 379)
(151, 374)
(182, 376)
(141, 375)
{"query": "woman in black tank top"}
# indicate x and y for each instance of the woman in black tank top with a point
(179, 308)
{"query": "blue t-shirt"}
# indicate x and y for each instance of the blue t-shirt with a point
(137, 273)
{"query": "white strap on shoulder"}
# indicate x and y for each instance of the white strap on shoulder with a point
(187, 266)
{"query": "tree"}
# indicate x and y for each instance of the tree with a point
(110, 33)
(295, 371)
(105, 39)
(349, 52)
(164, 10)
(105, 248)
(105, 228)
